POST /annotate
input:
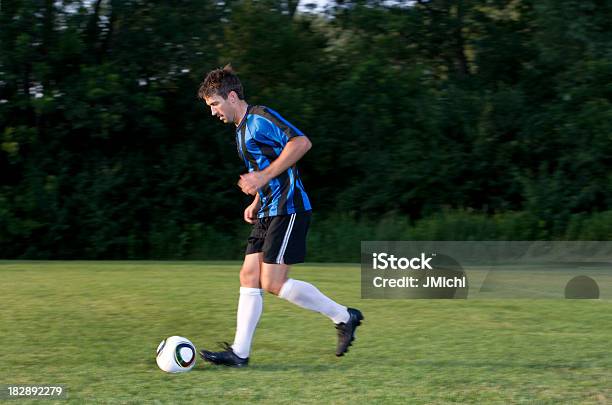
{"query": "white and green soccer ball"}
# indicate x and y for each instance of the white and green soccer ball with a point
(176, 354)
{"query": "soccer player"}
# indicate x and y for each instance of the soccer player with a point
(280, 214)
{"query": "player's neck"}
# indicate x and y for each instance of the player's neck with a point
(241, 110)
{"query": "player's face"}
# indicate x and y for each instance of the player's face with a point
(225, 109)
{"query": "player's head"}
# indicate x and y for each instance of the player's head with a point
(222, 91)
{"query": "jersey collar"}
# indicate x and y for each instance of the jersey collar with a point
(243, 120)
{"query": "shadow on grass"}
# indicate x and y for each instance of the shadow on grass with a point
(309, 368)
(314, 368)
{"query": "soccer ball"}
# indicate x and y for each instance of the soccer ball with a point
(176, 355)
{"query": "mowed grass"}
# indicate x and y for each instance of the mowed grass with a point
(94, 327)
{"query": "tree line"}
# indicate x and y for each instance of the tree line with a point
(474, 112)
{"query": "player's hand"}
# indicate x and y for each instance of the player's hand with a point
(249, 183)
(250, 213)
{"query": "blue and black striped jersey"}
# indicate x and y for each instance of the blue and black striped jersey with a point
(260, 138)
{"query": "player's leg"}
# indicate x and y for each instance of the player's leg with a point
(274, 280)
(285, 245)
(250, 304)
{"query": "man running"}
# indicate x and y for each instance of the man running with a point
(280, 214)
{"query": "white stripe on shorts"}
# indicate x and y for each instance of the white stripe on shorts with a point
(281, 253)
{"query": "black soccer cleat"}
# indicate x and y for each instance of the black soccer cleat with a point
(346, 331)
(227, 357)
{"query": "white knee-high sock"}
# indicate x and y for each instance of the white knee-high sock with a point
(250, 305)
(308, 296)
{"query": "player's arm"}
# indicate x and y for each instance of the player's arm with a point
(293, 151)
(250, 212)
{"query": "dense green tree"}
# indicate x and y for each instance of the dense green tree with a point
(499, 107)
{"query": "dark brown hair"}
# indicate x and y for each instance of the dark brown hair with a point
(221, 82)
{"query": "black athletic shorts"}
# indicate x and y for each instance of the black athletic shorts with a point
(282, 239)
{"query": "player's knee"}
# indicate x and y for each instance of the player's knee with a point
(272, 286)
(249, 277)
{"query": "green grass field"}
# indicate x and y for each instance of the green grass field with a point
(94, 327)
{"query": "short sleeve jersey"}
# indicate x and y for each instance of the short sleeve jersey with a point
(260, 137)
